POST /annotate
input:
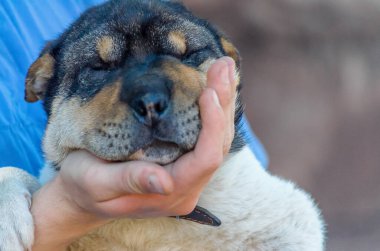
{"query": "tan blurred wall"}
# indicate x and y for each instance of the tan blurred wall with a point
(311, 70)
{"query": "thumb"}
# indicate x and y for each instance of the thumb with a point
(105, 181)
(135, 177)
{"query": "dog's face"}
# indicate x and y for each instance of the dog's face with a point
(124, 80)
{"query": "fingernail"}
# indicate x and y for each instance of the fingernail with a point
(215, 98)
(154, 185)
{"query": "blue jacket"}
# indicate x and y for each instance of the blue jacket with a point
(25, 26)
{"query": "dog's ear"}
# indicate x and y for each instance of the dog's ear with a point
(230, 50)
(38, 76)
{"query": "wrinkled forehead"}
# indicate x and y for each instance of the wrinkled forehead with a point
(135, 34)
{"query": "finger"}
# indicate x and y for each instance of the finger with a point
(218, 78)
(210, 140)
(208, 153)
(134, 177)
(150, 205)
(135, 205)
(104, 181)
(221, 77)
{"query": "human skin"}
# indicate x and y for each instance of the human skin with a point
(89, 192)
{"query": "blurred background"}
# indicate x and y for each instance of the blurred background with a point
(311, 72)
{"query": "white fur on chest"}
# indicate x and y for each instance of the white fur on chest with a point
(258, 212)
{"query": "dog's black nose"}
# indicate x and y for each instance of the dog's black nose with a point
(147, 91)
(150, 107)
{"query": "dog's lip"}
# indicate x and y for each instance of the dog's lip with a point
(155, 152)
(158, 142)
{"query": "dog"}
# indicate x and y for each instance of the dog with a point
(98, 81)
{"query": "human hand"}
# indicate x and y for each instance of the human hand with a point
(92, 191)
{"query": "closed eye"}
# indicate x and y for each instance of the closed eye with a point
(197, 57)
(100, 65)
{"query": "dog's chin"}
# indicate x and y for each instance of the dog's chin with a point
(159, 152)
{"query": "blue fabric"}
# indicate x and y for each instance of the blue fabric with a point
(25, 26)
(254, 143)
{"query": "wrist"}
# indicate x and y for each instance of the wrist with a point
(58, 219)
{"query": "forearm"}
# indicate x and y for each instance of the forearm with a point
(57, 221)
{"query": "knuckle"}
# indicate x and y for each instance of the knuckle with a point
(131, 183)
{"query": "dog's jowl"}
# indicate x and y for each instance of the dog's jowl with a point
(123, 83)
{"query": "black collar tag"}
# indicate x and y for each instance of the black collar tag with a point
(202, 216)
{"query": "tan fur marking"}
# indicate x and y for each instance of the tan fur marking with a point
(188, 85)
(178, 40)
(70, 120)
(105, 104)
(230, 50)
(186, 79)
(105, 47)
(38, 75)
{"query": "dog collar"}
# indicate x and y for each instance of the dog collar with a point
(202, 216)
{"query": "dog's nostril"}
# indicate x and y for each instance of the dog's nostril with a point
(141, 109)
(161, 106)
(150, 107)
